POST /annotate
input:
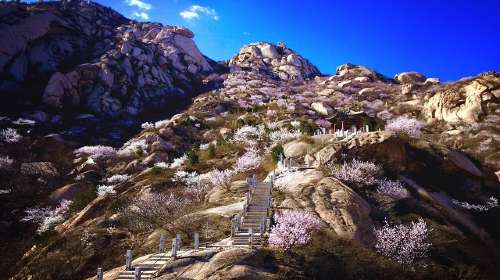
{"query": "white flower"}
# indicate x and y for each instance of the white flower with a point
(118, 178)
(10, 135)
(103, 190)
(148, 125)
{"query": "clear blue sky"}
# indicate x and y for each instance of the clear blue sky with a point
(444, 39)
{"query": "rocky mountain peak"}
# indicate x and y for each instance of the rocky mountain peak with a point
(277, 61)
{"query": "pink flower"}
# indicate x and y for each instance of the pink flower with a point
(293, 228)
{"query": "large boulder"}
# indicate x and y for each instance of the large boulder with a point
(338, 206)
(296, 149)
(322, 108)
(351, 71)
(468, 102)
(276, 61)
(410, 78)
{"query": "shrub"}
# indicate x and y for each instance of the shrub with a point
(491, 203)
(403, 243)
(154, 210)
(5, 162)
(133, 147)
(308, 128)
(391, 188)
(357, 172)
(192, 156)
(162, 165)
(248, 161)
(98, 152)
(276, 151)
(117, 178)
(221, 178)
(103, 190)
(10, 135)
(293, 228)
(178, 162)
(248, 135)
(211, 150)
(46, 218)
(282, 135)
(81, 200)
(406, 126)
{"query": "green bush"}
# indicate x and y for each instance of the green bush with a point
(192, 156)
(211, 150)
(308, 128)
(81, 200)
(276, 151)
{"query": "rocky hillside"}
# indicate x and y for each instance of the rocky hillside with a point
(70, 66)
(385, 165)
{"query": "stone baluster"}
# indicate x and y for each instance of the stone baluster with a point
(262, 226)
(250, 238)
(367, 128)
(162, 243)
(179, 241)
(174, 248)
(196, 240)
(268, 223)
(128, 260)
(100, 274)
(137, 273)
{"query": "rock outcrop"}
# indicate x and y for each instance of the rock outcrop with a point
(344, 211)
(40, 40)
(277, 61)
(149, 63)
(467, 103)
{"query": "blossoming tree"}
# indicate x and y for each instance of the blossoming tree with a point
(293, 228)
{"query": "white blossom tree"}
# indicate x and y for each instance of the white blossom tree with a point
(47, 217)
(404, 243)
(357, 172)
(249, 160)
(406, 126)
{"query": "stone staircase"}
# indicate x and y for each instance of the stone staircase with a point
(148, 267)
(250, 227)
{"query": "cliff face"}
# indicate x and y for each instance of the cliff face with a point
(59, 61)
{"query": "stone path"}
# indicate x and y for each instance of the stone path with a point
(250, 227)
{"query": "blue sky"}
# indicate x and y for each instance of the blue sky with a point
(444, 39)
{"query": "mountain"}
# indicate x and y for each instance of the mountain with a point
(116, 132)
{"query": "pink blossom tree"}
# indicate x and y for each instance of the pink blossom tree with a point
(394, 189)
(249, 160)
(96, 152)
(404, 243)
(154, 210)
(47, 217)
(293, 228)
(406, 126)
(357, 172)
(221, 178)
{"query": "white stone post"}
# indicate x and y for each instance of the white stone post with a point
(196, 240)
(206, 232)
(128, 260)
(174, 248)
(367, 128)
(179, 241)
(262, 225)
(250, 239)
(268, 223)
(162, 243)
(100, 275)
(137, 273)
